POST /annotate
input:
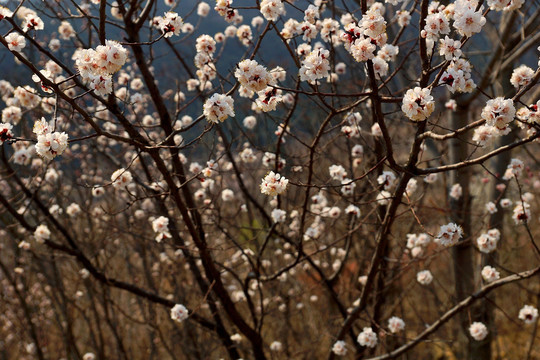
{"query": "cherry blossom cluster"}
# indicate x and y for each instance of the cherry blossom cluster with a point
(97, 66)
(160, 225)
(487, 242)
(224, 8)
(418, 104)
(352, 130)
(468, 20)
(272, 9)
(529, 118)
(25, 96)
(268, 99)
(416, 243)
(205, 46)
(50, 143)
(449, 234)
(252, 76)
(315, 66)
(273, 184)
(362, 39)
(169, 24)
(457, 77)
(121, 178)
(521, 76)
(514, 169)
(498, 114)
(255, 78)
(218, 108)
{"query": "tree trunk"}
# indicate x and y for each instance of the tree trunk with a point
(463, 252)
(498, 166)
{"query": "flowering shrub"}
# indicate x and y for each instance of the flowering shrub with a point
(268, 179)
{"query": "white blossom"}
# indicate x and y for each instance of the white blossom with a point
(121, 178)
(514, 169)
(490, 274)
(65, 30)
(450, 48)
(353, 210)
(521, 76)
(487, 242)
(339, 348)
(505, 5)
(5, 132)
(373, 23)
(15, 41)
(467, 20)
(32, 22)
(396, 324)
(528, 314)
(268, 99)
(276, 346)
(478, 331)
(160, 225)
(456, 191)
(424, 277)
(491, 207)
(73, 209)
(278, 215)
(403, 18)
(179, 313)
(203, 9)
(367, 338)
(387, 179)
(42, 233)
(522, 213)
(337, 172)
(170, 24)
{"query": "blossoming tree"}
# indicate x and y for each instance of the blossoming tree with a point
(269, 179)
